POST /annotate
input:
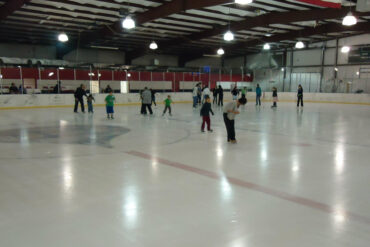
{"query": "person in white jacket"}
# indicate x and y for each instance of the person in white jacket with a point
(206, 93)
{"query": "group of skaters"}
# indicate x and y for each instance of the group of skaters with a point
(201, 96)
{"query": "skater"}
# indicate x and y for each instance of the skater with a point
(258, 95)
(195, 96)
(204, 113)
(146, 101)
(300, 95)
(206, 93)
(244, 92)
(153, 97)
(235, 93)
(199, 94)
(108, 89)
(167, 103)
(79, 94)
(220, 96)
(274, 97)
(90, 100)
(230, 110)
(109, 100)
(215, 93)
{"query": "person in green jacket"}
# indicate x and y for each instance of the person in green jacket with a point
(167, 103)
(109, 100)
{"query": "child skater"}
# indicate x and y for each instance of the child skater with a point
(109, 100)
(90, 100)
(274, 96)
(167, 103)
(204, 112)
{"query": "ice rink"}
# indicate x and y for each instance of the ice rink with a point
(297, 177)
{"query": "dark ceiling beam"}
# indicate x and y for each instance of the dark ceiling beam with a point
(307, 32)
(10, 7)
(259, 21)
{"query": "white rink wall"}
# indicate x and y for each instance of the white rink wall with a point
(45, 100)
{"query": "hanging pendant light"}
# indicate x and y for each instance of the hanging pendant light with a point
(349, 20)
(63, 37)
(299, 45)
(228, 36)
(153, 45)
(266, 46)
(345, 49)
(128, 23)
(220, 51)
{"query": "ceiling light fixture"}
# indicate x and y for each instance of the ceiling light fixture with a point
(128, 23)
(63, 37)
(299, 45)
(266, 46)
(51, 74)
(228, 36)
(243, 2)
(91, 74)
(345, 49)
(336, 69)
(61, 68)
(153, 45)
(349, 20)
(220, 51)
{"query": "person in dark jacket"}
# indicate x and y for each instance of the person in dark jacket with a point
(153, 96)
(274, 97)
(13, 89)
(300, 95)
(204, 112)
(108, 89)
(80, 92)
(215, 93)
(57, 88)
(220, 96)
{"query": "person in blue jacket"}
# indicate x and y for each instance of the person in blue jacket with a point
(258, 95)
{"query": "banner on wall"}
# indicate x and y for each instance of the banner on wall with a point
(124, 87)
(94, 87)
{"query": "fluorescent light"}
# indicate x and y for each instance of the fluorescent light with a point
(345, 49)
(349, 20)
(229, 36)
(128, 23)
(63, 37)
(299, 45)
(91, 74)
(266, 47)
(51, 74)
(61, 68)
(153, 45)
(220, 51)
(104, 47)
(268, 34)
(243, 2)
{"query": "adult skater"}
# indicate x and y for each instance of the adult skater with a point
(258, 94)
(146, 96)
(79, 94)
(230, 111)
(153, 96)
(220, 96)
(206, 93)
(300, 95)
(195, 96)
(215, 93)
(235, 93)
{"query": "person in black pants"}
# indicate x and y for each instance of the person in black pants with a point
(215, 93)
(230, 111)
(300, 95)
(220, 96)
(80, 92)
